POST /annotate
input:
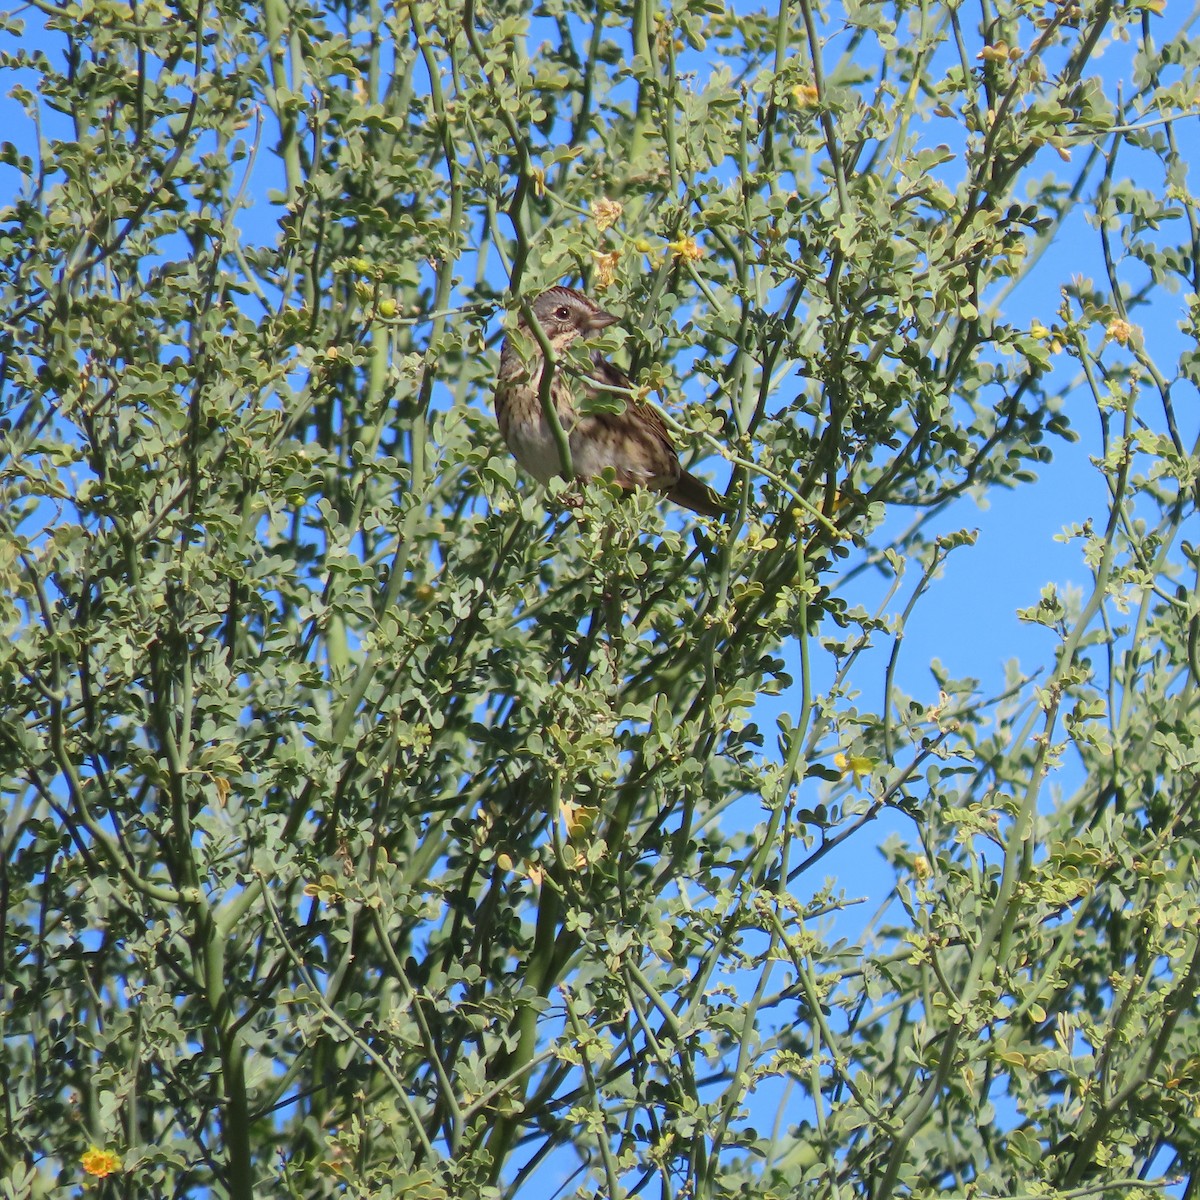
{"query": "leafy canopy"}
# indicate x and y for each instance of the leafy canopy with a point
(375, 825)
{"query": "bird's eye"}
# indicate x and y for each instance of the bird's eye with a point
(562, 312)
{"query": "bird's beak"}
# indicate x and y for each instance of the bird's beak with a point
(600, 320)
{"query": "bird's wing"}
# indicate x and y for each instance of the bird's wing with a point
(604, 372)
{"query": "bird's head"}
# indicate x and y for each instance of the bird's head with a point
(565, 314)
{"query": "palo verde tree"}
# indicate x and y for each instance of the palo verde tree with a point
(378, 824)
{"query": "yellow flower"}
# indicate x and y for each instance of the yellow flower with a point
(100, 1162)
(1120, 331)
(605, 213)
(857, 765)
(606, 266)
(1000, 52)
(805, 95)
(1039, 331)
(686, 247)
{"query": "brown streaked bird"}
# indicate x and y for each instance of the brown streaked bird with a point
(634, 443)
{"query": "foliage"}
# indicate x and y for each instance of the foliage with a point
(377, 826)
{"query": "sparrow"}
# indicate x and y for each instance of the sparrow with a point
(634, 443)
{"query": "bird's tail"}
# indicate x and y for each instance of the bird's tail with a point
(693, 493)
